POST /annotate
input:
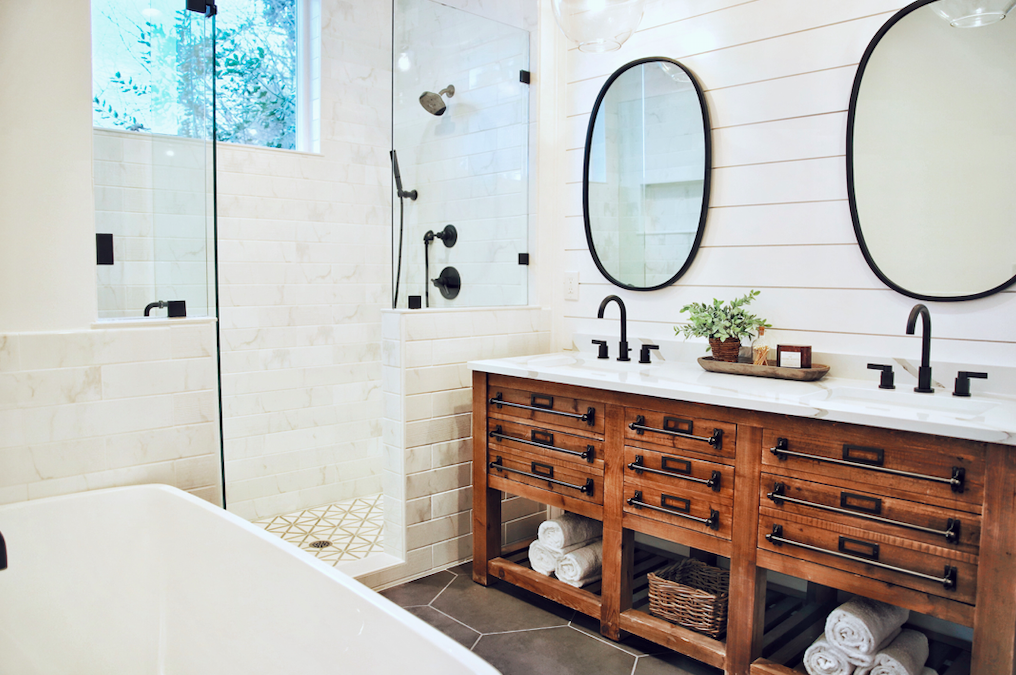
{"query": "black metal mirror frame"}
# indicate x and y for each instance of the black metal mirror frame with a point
(851, 111)
(705, 179)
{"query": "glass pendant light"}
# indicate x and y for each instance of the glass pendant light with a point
(972, 13)
(599, 25)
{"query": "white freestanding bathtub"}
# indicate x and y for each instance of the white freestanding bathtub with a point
(150, 580)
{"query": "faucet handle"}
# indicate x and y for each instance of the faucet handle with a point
(602, 354)
(963, 382)
(887, 381)
(644, 354)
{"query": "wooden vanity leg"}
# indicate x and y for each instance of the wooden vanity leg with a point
(747, 581)
(617, 569)
(994, 649)
(486, 502)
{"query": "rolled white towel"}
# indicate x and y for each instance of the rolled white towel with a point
(543, 558)
(861, 627)
(904, 656)
(581, 566)
(568, 530)
(821, 658)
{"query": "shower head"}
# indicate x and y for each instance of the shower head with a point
(433, 103)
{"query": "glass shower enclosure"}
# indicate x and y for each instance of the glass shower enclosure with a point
(461, 138)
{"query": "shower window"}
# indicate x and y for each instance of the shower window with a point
(461, 134)
(265, 69)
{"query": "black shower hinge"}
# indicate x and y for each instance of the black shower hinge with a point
(206, 7)
(523, 258)
(525, 76)
(103, 248)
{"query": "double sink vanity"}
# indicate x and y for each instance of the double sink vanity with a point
(905, 497)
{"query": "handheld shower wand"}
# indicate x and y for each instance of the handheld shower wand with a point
(412, 194)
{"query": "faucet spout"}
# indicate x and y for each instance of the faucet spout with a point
(924, 372)
(623, 347)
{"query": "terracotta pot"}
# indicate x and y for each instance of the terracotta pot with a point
(725, 350)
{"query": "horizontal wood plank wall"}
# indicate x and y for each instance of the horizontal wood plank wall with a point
(777, 76)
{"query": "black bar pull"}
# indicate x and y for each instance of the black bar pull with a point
(712, 522)
(498, 465)
(589, 417)
(499, 435)
(639, 427)
(713, 482)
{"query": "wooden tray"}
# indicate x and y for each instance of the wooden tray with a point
(816, 372)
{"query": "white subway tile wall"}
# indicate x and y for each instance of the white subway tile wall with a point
(153, 194)
(777, 76)
(427, 430)
(107, 407)
(303, 275)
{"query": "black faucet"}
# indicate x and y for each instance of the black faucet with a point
(3, 553)
(924, 372)
(623, 347)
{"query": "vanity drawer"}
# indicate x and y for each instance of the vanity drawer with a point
(670, 471)
(668, 432)
(953, 530)
(545, 405)
(707, 513)
(928, 469)
(558, 446)
(546, 473)
(870, 554)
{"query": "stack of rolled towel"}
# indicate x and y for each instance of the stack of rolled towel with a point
(570, 547)
(865, 637)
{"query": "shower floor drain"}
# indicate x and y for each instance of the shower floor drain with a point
(322, 543)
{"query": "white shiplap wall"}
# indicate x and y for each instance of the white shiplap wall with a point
(777, 76)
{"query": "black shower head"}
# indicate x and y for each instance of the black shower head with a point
(433, 103)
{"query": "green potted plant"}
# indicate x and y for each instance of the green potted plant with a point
(723, 323)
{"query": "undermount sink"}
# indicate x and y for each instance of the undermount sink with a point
(885, 399)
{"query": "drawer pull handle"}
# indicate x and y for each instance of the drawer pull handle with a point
(498, 434)
(589, 417)
(587, 489)
(639, 427)
(713, 482)
(712, 522)
(948, 579)
(951, 531)
(955, 481)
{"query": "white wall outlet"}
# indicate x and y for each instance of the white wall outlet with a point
(571, 285)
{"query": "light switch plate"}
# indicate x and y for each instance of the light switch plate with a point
(571, 285)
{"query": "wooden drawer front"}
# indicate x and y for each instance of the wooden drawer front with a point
(869, 554)
(684, 509)
(538, 407)
(674, 472)
(938, 471)
(953, 530)
(546, 473)
(556, 446)
(669, 433)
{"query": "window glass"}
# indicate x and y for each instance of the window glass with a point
(146, 54)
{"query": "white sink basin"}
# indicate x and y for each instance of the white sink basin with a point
(941, 403)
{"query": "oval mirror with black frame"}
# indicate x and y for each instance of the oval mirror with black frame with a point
(931, 155)
(645, 180)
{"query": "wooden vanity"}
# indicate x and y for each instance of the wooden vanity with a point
(921, 521)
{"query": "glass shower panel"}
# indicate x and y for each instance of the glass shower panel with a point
(468, 164)
(153, 155)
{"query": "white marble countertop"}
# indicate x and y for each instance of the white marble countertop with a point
(990, 418)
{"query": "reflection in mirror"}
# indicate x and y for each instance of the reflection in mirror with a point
(931, 153)
(646, 174)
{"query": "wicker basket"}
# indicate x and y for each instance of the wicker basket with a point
(725, 350)
(691, 594)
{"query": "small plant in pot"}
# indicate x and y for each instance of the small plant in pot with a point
(723, 323)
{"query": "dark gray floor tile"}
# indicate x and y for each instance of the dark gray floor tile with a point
(465, 569)
(450, 627)
(673, 663)
(499, 608)
(419, 592)
(632, 644)
(553, 651)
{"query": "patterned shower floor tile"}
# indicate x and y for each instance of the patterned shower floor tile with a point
(351, 528)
